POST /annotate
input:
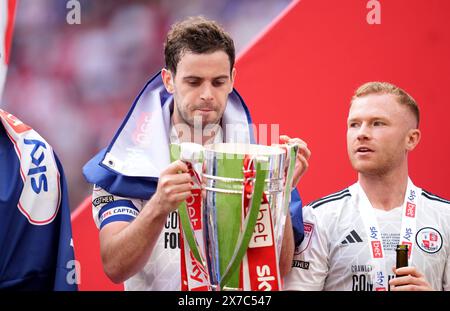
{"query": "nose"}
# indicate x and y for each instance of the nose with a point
(206, 93)
(363, 132)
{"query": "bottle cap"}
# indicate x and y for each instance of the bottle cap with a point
(402, 247)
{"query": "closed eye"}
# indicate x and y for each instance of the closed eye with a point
(218, 83)
(193, 82)
(378, 123)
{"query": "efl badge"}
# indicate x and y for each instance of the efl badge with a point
(309, 229)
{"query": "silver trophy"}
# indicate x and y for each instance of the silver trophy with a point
(246, 199)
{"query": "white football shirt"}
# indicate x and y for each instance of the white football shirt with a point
(162, 270)
(335, 254)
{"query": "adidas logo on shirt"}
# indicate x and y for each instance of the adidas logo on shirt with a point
(353, 237)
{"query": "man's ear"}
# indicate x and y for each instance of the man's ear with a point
(233, 75)
(167, 78)
(412, 139)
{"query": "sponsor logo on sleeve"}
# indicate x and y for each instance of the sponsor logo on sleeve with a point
(103, 200)
(300, 264)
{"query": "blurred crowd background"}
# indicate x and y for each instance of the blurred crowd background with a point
(75, 83)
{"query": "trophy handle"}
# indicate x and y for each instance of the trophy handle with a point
(250, 221)
(292, 150)
(291, 153)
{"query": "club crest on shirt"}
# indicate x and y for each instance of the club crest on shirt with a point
(309, 229)
(429, 240)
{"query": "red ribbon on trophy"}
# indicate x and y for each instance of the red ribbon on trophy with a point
(261, 255)
(194, 275)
